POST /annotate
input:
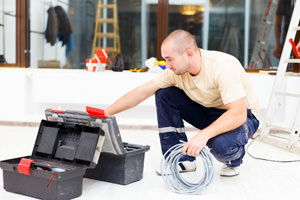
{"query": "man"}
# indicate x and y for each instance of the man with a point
(208, 89)
(283, 16)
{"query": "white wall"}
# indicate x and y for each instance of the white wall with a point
(26, 93)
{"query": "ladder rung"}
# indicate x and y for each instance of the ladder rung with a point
(284, 144)
(292, 61)
(268, 22)
(262, 42)
(107, 6)
(110, 49)
(106, 21)
(288, 94)
(107, 35)
(278, 127)
(297, 28)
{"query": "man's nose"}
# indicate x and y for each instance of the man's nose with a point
(168, 64)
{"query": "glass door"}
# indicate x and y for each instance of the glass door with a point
(192, 16)
(7, 31)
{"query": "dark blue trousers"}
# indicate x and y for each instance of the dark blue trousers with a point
(173, 106)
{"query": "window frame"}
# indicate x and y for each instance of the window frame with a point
(22, 39)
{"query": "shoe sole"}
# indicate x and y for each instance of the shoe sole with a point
(223, 175)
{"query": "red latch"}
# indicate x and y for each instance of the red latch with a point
(58, 111)
(96, 112)
(24, 166)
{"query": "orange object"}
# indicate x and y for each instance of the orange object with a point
(102, 55)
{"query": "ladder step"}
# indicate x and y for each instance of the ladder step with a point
(107, 35)
(261, 42)
(287, 94)
(267, 22)
(107, 6)
(275, 126)
(284, 144)
(292, 61)
(297, 28)
(111, 21)
(110, 49)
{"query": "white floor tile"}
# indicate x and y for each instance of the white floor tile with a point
(259, 180)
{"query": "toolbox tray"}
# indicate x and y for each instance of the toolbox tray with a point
(113, 141)
(60, 157)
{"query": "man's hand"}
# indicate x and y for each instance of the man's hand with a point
(194, 146)
(234, 117)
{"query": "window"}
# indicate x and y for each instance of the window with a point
(13, 34)
(223, 25)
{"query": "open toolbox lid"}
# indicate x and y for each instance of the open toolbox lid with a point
(79, 144)
(96, 118)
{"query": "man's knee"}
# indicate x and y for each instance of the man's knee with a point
(224, 150)
(219, 145)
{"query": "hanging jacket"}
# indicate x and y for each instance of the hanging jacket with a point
(64, 26)
(51, 30)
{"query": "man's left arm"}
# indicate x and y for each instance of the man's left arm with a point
(234, 117)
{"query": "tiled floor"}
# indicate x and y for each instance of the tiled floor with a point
(259, 180)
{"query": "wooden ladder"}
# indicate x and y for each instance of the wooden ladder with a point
(102, 38)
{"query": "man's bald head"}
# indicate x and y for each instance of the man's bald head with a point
(180, 41)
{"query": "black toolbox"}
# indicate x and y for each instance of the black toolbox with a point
(120, 162)
(121, 169)
(60, 157)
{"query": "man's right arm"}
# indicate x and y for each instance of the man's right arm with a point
(132, 98)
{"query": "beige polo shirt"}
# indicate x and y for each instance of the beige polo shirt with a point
(222, 80)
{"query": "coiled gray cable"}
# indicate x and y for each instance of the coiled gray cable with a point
(172, 177)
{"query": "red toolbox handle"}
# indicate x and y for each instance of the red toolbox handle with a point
(58, 111)
(24, 166)
(96, 112)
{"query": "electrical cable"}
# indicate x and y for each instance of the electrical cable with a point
(172, 177)
(265, 159)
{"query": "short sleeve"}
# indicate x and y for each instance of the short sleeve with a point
(165, 79)
(230, 85)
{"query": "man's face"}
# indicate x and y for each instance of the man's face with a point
(175, 61)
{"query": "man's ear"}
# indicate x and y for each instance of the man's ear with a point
(189, 52)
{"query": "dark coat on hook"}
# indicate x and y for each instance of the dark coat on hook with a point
(51, 30)
(64, 26)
